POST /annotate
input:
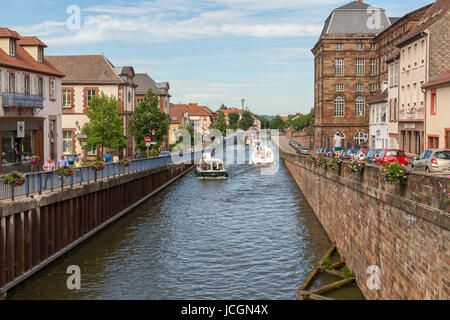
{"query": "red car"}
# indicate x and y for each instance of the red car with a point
(388, 156)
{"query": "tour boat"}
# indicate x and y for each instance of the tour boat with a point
(261, 154)
(211, 168)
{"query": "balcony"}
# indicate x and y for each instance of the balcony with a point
(22, 100)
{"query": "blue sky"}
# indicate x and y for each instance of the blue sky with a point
(211, 51)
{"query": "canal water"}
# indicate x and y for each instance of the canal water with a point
(249, 237)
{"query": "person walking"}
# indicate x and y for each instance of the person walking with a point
(107, 158)
(78, 163)
(337, 145)
(33, 163)
(116, 158)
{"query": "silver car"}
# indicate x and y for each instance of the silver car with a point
(433, 161)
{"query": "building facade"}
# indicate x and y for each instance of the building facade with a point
(88, 76)
(30, 112)
(378, 121)
(178, 118)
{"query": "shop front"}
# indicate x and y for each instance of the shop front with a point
(20, 139)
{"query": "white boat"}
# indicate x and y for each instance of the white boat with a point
(261, 154)
(210, 168)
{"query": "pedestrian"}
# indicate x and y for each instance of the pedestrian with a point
(108, 158)
(137, 154)
(33, 163)
(78, 163)
(62, 162)
(48, 167)
(116, 158)
(337, 145)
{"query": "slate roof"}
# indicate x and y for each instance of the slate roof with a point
(145, 82)
(352, 18)
(393, 20)
(86, 69)
(439, 80)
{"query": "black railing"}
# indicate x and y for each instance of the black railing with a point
(13, 99)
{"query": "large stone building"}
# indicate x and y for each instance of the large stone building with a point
(88, 76)
(350, 67)
(30, 112)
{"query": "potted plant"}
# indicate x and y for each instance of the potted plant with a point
(321, 161)
(125, 163)
(14, 178)
(65, 172)
(355, 166)
(395, 173)
(99, 165)
(333, 163)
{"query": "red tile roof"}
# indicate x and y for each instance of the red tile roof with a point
(31, 41)
(23, 60)
(175, 115)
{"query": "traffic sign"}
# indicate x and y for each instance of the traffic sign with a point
(81, 136)
(148, 139)
(153, 132)
(84, 142)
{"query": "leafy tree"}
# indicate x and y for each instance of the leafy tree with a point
(233, 117)
(264, 122)
(221, 123)
(105, 128)
(277, 123)
(147, 117)
(303, 121)
(246, 120)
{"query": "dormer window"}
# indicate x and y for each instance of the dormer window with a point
(12, 48)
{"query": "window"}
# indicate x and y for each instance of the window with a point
(339, 46)
(422, 49)
(12, 48)
(339, 87)
(339, 106)
(359, 138)
(339, 67)
(360, 87)
(67, 142)
(373, 87)
(52, 89)
(359, 67)
(373, 67)
(40, 54)
(360, 46)
(26, 84)
(139, 101)
(433, 103)
(395, 109)
(67, 98)
(359, 106)
(90, 94)
(92, 150)
(373, 46)
(40, 86)
(416, 54)
(11, 82)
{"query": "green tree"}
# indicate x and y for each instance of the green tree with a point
(246, 120)
(221, 123)
(264, 122)
(233, 117)
(105, 128)
(147, 117)
(303, 121)
(277, 123)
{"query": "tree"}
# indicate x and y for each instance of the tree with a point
(147, 117)
(264, 122)
(233, 117)
(303, 121)
(221, 123)
(277, 123)
(105, 128)
(246, 120)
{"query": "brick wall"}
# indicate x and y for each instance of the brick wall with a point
(403, 230)
(440, 46)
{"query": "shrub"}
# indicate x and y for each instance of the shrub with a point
(347, 272)
(14, 178)
(395, 173)
(65, 172)
(125, 163)
(355, 166)
(321, 161)
(310, 158)
(333, 163)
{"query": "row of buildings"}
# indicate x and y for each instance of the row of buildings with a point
(44, 101)
(383, 81)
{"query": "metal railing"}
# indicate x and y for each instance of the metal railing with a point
(13, 99)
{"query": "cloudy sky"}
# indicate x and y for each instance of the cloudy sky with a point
(211, 51)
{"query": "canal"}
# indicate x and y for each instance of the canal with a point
(249, 237)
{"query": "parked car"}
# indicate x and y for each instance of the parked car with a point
(360, 155)
(388, 156)
(370, 156)
(348, 154)
(433, 161)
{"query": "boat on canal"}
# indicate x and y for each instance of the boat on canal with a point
(261, 154)
(211, 168)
